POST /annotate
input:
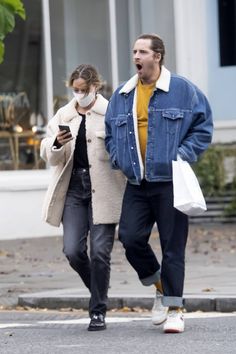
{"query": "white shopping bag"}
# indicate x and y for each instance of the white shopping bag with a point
(188, 197)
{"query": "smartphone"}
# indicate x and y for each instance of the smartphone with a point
(64, 127)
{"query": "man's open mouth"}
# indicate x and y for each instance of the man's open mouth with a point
(139, 66)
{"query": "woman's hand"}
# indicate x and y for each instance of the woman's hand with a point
(63, 137)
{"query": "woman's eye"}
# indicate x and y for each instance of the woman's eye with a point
(80, 91)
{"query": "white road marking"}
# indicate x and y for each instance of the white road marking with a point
(208, 314)
(72, 346)
(126, 319)
(13, 325)
(87, 320)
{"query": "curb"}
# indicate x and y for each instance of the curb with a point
(220, 303)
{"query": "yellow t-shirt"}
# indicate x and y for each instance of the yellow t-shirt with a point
(144, 93)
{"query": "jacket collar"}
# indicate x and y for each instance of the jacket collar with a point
(99, 107)
(162, 83)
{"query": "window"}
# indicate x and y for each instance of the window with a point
(227, 31)
(79, 34)
(21, 117)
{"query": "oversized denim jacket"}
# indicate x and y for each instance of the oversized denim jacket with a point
(179, 122)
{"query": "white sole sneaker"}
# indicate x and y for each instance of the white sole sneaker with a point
(174, 322)
(159, 312)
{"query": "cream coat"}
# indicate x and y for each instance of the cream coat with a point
(107, 184)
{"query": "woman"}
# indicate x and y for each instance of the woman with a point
(85, 194)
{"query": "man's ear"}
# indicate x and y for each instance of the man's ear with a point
(157, 57)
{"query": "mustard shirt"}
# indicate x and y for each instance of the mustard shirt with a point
(144, 93)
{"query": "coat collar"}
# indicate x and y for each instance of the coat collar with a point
(99, 107)
(162, 83)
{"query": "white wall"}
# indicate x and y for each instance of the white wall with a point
(221, 82)
(198, 59)
(21, 199)
(191, 41)
(222, 79)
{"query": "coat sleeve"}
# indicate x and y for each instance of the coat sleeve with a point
(110, 138)
(48, 151)
(199, 135)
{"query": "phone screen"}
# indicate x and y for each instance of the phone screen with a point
(64, 127)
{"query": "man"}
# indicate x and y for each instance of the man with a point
(151, 119)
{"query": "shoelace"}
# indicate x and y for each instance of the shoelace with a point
(158, 294)
(175, 314)
(96, 317)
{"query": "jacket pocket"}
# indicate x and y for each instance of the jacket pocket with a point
(121, 126)
(173, 119)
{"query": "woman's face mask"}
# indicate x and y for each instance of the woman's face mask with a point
(84, 100)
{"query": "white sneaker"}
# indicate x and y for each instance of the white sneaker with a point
(174, 322)
(159, 312)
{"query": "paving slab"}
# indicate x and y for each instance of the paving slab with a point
(34, 272)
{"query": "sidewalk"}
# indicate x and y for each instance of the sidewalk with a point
(35, 273)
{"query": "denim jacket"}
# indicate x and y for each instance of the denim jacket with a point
(179, 122)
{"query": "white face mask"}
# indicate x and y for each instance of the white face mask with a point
(83, 99)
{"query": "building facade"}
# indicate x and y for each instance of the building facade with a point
(58, 35)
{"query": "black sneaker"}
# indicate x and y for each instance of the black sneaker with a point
(97, 322)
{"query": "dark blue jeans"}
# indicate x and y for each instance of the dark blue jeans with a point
(143, 205)
(77, 223)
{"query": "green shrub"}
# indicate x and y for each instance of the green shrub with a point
(210, 171)
(212, 175)
(231, 209)
(8, 10)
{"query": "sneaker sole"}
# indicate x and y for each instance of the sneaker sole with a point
(91, 329)
(173, 331)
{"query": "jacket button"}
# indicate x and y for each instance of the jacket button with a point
(93, 190)
(88, 113)
(89, 140)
